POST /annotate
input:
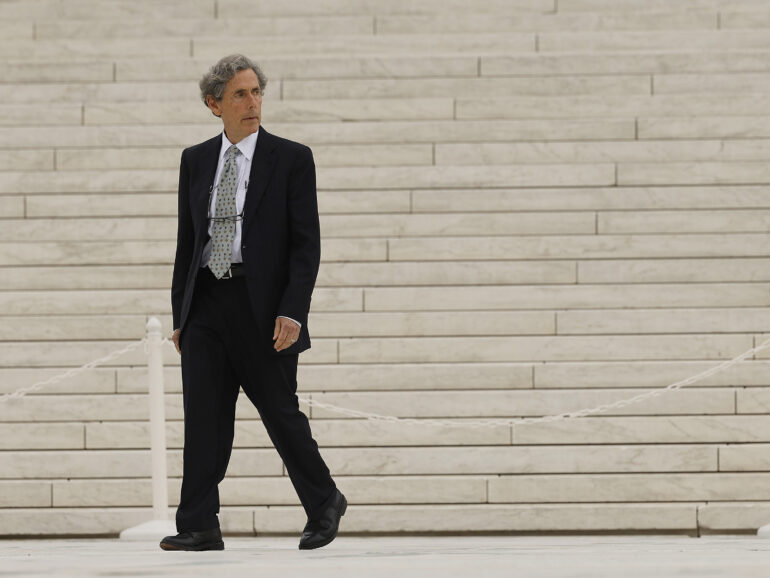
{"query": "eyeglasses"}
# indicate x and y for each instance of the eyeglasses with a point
(229, 218)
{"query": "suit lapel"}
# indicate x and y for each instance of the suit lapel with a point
(262, 166)
(207, 165)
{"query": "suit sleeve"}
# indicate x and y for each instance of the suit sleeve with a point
(304, 238)
(184, 243)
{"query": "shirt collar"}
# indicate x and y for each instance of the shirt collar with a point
(246, 146)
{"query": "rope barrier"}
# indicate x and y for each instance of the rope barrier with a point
(426, 422)
(72, 372)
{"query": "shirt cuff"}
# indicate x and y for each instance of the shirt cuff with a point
(290, 319)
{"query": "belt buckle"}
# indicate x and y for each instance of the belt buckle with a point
(228, 274)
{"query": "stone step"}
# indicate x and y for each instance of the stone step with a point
(291, 94)
(660, 63)
(500, 86)
(82, 70)
(426, 324)
(421, 376)
(27, 160)
(164, 68)
(444, 298)
(658, 151)
(537, 348)
(280, 111)
(333, 433)
(662, 321)
(735, 127)
(505, 375)
(418, 273)
(11, 207)
(742, 457)
(24, 115)
(744, 19)
(626, 488)
(165, 204)
(168, 157)
(269, 490)
(341, 45)
(364, 519)
(311, 377)
(328, 433)
(617, 198)
(46, 10)
(445, 248)
(579, 246)
(457, 154)
(381, 461)
(736, 82)
(531, 175)
(652, 40)
(618, 222)
(695, 173)
(151, 27)
(527, 403)
(97, 380)
(672, 18)
(474, 22)
(319, 66)
(622, 296)
(242, 8)
(411, 490)
(142, 302)
(316, 66)
(109, 48)
(479, 404)
(648, 5)
(364, 226)
(19, 29)
(423, 201)
(77, 353)
(672, 270)
(365, 132)
(721, 517)
(123, 463)
(115, 327)
(155, 252)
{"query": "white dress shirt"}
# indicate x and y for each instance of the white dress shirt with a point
(243, 164)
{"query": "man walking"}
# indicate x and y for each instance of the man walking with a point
(247, 256)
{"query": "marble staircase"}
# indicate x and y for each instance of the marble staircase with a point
(528, 207)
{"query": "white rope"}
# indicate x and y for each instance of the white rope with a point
(72, 372)
(427, 422)
(548, 418)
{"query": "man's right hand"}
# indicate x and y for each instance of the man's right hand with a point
(175, 339)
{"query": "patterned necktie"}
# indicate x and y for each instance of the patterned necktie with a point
(224, 228)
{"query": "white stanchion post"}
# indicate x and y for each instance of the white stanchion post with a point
(157, 420)
(160, 526)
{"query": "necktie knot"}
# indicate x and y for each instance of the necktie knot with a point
(232, 152)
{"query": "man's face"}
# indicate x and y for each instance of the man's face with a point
(240, 107)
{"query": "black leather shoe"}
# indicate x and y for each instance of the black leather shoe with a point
(320, 532)
(194, 541)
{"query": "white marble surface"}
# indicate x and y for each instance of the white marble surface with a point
(493, 556)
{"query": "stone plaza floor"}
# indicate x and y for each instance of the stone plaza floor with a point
(400, 557)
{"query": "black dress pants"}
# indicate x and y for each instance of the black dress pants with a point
(221, 352)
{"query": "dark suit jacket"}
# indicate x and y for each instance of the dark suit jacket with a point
(280, 235)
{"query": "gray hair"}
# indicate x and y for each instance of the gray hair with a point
(214, 81)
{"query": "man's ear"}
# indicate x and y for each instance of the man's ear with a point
(213, 105)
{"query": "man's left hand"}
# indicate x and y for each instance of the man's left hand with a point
(286, 333)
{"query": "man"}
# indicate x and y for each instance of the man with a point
(248, 250)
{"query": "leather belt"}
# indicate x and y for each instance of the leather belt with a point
(235, 270)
